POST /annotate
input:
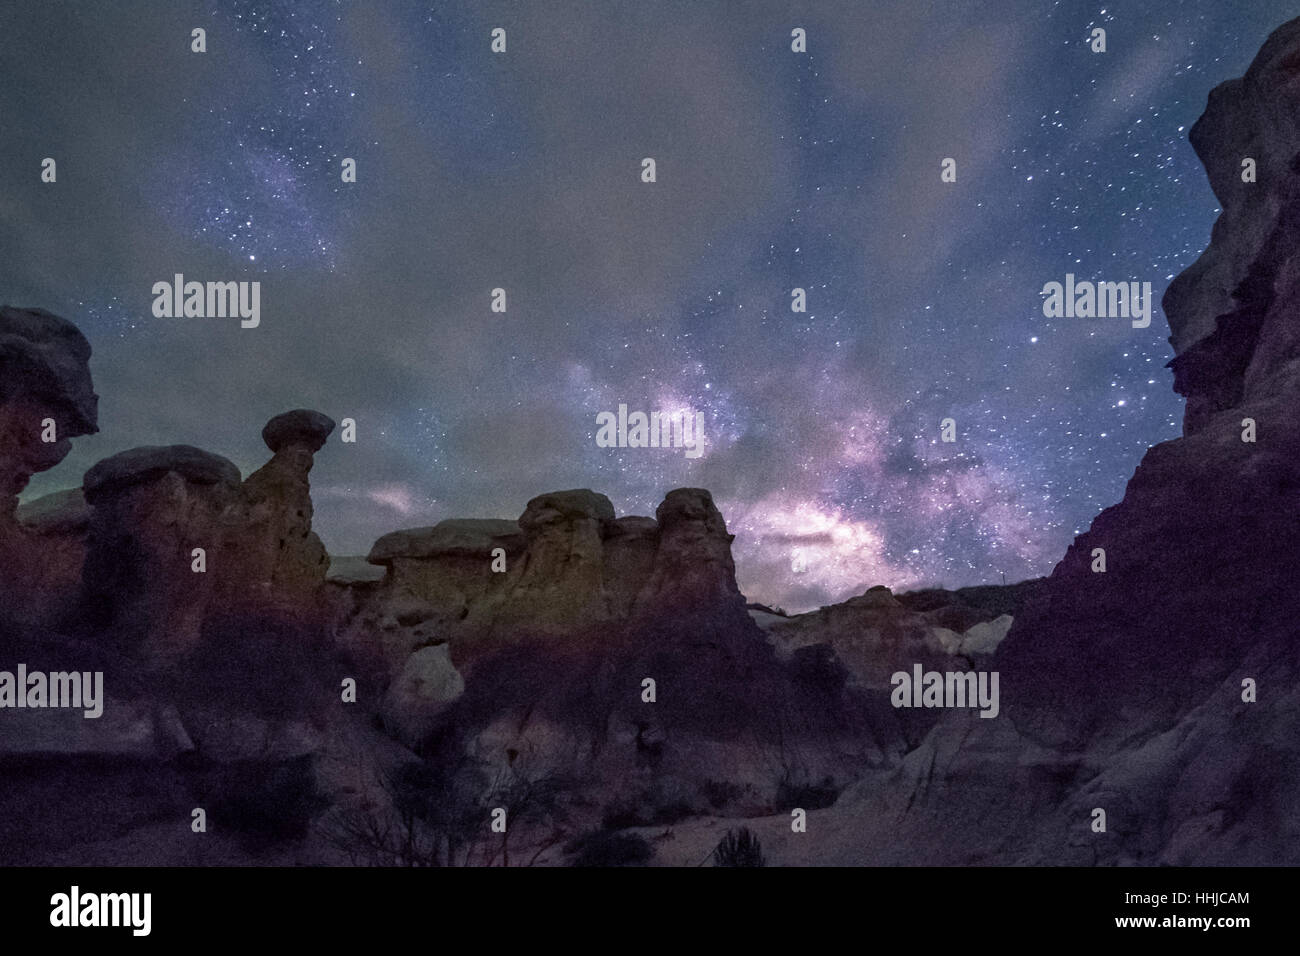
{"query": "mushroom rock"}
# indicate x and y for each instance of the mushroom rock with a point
(571, 570)
(449, 564)
(456, 537)
(301, 426)
(432, 578)
(282, 559)
(153, 506)
(109, 478)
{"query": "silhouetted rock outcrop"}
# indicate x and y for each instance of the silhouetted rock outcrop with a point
(1233, 314)
(45, 393)
(44, 374)
(1200, 554)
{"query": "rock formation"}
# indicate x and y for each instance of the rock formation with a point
(1128, 689)
(540, 663)
(44, 374)
(567, 569)
(46, 400)
(1198, 550)
(608, 666)
(876, 634)
(1233, 313)
(153, 507)
(281, 558)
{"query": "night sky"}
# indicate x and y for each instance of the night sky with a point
(522, 170)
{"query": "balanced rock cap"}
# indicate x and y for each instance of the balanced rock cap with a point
(466, 536)
(566, 506)
(302, 426)
(47, 358)
(633, 526)
(138, 465)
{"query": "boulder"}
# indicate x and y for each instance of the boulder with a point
(427, 683)
(464, 537)
(298, 427)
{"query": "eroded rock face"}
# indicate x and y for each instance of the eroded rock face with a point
(1234, 314)
(630, 546)
(432, 579)
(540, 669)
(471, 581)
(693, 568)
(559, 582)
(1200, 555)
(50, 544)
(45, 392)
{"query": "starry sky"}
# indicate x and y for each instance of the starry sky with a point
(521, 170)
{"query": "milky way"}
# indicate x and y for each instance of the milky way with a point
(775, 170)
